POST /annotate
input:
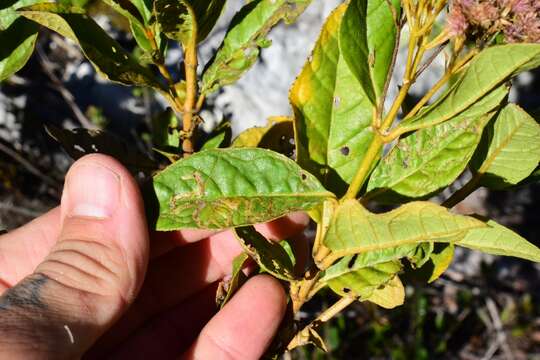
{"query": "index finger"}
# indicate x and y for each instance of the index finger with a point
(279, 229)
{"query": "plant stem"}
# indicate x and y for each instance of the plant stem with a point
(190, 62)
(413, 59)
(303, 336)
(464, 192)
(365, 167)
(428, 95)
(335, 309)
(172, 96)
(304, 292)
(402, 129)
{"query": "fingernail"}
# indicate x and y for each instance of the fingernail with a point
(92, 191)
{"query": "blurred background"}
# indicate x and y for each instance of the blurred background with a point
(483, 308)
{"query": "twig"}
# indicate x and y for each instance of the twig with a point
(462, 193)
(430, 59)
(501, 335)
(303, 336)
(66, 94)
(365, 167)
(29, 167)
(19, 210)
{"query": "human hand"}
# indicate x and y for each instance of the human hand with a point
(86, 279)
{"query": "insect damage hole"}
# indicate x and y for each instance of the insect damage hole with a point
(345, 150)
(351, 262)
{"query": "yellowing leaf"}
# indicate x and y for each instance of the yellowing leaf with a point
(238, 278)
(487, 71)
(332, 112)
(252, 137)
(355, 230)
(441, 259)
(496, 239)
(363, 282)
(391, 295)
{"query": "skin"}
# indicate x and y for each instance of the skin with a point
(91, 282)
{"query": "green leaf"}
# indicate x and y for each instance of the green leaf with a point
(78, 3)
(214, 142)
(487, 71)
(270, 256)
(332, 113)
(367, 40)
(242, 43)
(496, 239)
(222, 188)
(107, 56)
(180, 19)
(165, 130)
(127, 9)
(18, 42)
(207, 13)
(238, 278)
(8, 10)
(427, 160)
(220, 137)
(355, 230)
(511, 149)
(391, 295)
(361, 283)
(145, 8)
(18, 38)
(136, 21)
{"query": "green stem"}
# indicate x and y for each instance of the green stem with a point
(372, 154)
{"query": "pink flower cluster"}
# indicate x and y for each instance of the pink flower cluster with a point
(518, 20)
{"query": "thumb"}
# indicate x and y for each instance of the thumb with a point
(92, 273)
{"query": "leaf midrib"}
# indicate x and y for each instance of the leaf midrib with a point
(396, 243)
(296, 195)
(489, 160)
